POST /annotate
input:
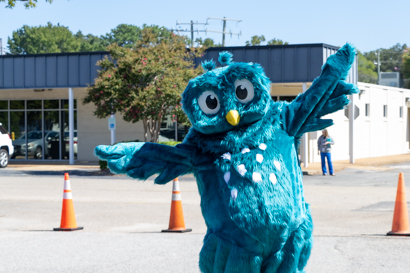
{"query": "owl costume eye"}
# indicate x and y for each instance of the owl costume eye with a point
(209, 102)
(244, 91)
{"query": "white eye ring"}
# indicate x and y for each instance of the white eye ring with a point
(244, 91)
(209, 102)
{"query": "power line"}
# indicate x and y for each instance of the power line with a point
(224, 27)
(206, 30)
(192, 29)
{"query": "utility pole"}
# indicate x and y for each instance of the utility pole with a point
(224, 27)
(192, 29)
(223, 33)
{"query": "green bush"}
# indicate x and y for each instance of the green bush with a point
(103, 164)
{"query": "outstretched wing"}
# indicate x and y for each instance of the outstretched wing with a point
(327, 94)
(141, 160)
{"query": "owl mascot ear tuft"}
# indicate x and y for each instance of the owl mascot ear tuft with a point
(208, 65)
(225, 58)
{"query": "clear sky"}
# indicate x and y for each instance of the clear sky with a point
(367, 24)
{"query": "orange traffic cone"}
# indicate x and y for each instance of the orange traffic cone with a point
(176, 220)
(68, 222)
(400, 225)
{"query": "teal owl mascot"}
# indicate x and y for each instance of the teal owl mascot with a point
(242, 149)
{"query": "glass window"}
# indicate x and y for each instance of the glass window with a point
(4, 119)
(51, 135)
(4, 105)
(51, 104)
(16, 104)
(35, 135)
(65, 147)
(64, 104)
(17, 132)
(34, 104)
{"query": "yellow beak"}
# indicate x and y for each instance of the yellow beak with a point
(233, 117)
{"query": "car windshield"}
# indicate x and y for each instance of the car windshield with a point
(32, 135)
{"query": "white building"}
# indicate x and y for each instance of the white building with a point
(382, 127)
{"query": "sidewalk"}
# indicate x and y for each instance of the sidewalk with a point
(373, 163)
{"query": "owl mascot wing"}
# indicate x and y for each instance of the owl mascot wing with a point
(326, 95)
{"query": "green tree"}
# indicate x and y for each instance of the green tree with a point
(27, 3)
(366, 69)
(391, 58)
(208, 42)
(255, 40)
(43, 39)
(144, 82)
(127, 35)
(89, 42)
(275, 41)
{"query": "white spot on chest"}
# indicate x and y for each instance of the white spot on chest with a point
(262, 146)
(227, 156)
(234, 193)
(245, 150)
(241, 169)
(277, 164)
(256, 177)
(227, 177)
(272, 178)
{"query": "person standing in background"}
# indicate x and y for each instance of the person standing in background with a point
(324, 148)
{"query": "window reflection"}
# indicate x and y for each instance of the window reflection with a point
(52, 139)
(4, 105)
(4, 119)
(65, 145)
(34, 147)
(17, 126)
(51, 104)
(34, 104)
(39, 128)
(16, 104)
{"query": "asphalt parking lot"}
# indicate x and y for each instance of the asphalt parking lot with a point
(122, 220)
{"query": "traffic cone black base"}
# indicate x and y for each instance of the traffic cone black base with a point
(177, 231)
(68, 229)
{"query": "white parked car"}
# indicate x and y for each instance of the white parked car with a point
(6, 147)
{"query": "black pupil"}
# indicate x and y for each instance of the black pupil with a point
(211, 102)
(241, 92)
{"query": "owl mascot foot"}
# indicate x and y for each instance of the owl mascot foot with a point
(242, 149)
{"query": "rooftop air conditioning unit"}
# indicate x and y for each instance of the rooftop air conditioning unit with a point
(390, 79)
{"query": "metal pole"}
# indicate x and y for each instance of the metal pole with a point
(223, 32)
(192, 33)
(351, 128)
(70, 125)
(305, 138)
(112, 132)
